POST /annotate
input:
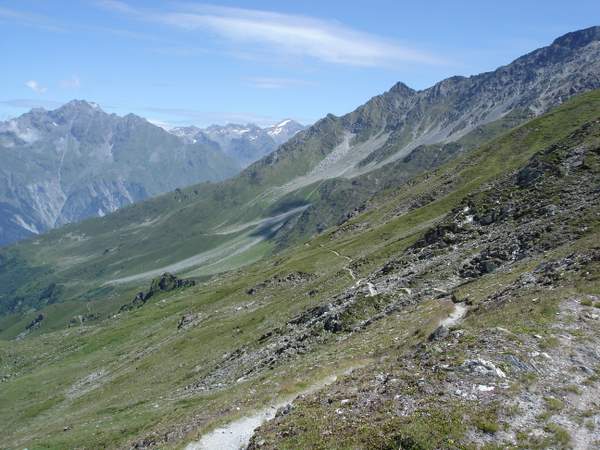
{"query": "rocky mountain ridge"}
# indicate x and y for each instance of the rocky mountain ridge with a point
(77, 162)
(245, 143)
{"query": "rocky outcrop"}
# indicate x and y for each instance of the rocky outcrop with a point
(33, 325)
(165, 283)
(290, 279)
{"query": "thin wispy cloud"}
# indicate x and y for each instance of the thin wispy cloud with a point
(36, 87)
(129, 34)
(118, 6)
(30, 103)
(277, 83)
(30, 20)
(283, 34)
(71, 83)
(181, 51)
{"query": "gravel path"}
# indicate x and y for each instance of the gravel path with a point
(236, 435)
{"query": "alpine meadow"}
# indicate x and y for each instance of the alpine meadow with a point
(235, 267)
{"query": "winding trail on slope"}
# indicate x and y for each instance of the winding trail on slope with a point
(237, 434)
(370, 286)
(460, 310)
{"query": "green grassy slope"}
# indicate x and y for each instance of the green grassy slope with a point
(148, 236)
(155, 233)
(209, 224)
(137, 377)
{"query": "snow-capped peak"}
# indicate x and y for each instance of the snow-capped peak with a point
(283, 124)
(284, 130)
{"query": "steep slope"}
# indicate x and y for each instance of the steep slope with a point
(508, 231)
(317, 179)
(520, 256)
(77, 162)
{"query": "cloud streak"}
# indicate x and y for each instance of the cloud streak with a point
(71, 83)
(36, 87)
(30, 20)
(283, 34)
(277, 83)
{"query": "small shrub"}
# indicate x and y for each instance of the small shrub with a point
(573, 389)
(554, 404)
(551, 342)
(487, 426)
(561, 436)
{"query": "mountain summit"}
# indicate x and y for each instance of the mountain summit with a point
(77, 162)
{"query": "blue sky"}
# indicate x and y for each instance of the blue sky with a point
(182, 62)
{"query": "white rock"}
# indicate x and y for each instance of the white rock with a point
(484, 388)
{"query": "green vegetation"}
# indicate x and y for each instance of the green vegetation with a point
(141, 374)
(554, 404)
(560, 435)
(487, 426)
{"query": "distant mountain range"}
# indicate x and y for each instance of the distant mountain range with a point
(77, 162)
(244, 143)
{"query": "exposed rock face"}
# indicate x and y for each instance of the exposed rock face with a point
(290, 279)
(439, 333)
(35, 323)
(451, 108)
(165, 283)
(535, 82)
(77, 161)
(188, 320)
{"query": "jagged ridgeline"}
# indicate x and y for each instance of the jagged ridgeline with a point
(449, 308)
(320, 178)
(77, 161)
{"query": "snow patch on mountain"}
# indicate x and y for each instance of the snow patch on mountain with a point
(27, 226)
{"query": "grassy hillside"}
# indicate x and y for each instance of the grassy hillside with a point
(145, 239)
(320, 178)
(509, 222)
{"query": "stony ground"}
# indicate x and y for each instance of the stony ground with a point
(497, 386)
(532, 380)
